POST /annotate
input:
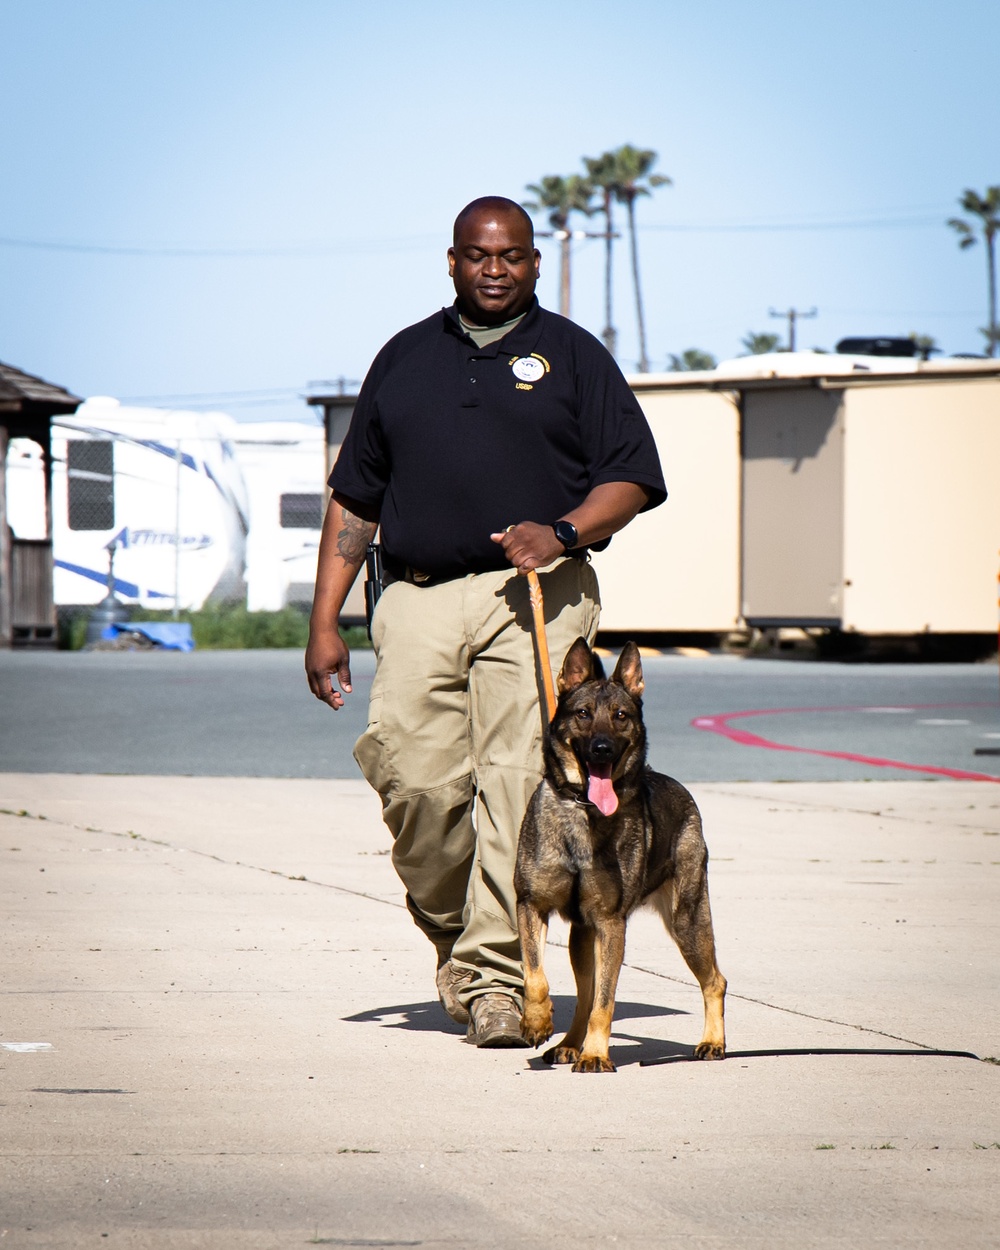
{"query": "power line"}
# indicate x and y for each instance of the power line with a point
(228, 399)
(903, 312)
(222, 252)
(414, 242)
(779, 227)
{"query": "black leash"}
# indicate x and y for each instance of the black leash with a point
(810, 1050)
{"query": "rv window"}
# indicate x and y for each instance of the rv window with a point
(302, 512)
(91, 483)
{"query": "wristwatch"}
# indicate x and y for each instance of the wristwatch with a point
(567, 534)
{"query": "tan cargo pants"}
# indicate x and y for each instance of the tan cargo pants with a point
(453, 746)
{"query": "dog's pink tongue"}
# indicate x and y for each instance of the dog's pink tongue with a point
(601, 793)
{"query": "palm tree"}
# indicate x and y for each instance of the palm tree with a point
(562, 196)
(925, 344)
(602, 173)
(760, 344)
(633, 179)
(987, 209)
(690, 360)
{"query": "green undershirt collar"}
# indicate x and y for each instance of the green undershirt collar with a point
(483, 336)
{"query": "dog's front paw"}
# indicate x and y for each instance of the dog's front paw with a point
(561, 1054)
(710, 1050)
(594, 1063)
(536, 1022)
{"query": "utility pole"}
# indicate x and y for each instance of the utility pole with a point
(564, 237)
(793, 315)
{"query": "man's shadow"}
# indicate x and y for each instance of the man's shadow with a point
(429, 1017)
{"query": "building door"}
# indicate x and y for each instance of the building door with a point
(792, 532)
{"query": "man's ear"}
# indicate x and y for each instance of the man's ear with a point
(451, 262)
(577, 668)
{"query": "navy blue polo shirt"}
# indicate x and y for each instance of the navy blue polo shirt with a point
(451, 442)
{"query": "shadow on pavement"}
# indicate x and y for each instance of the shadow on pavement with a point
(820, 1050)
(417, 1017)
(429, 1017)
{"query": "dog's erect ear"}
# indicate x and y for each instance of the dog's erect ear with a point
(577, 668)
(628, 671)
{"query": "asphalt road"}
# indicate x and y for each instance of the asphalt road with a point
(249, 713)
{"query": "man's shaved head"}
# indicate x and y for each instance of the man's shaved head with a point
(493, 261)
(492, 204)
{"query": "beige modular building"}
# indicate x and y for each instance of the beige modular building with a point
(813, 490)
(807, 490)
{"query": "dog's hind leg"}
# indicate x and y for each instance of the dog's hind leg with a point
(686, 913)
(532, 927)
(581, 957)
(608, 953)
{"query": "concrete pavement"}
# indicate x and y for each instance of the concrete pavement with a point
(219, 1029)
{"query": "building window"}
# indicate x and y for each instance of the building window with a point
(90, 476)
(302, 512)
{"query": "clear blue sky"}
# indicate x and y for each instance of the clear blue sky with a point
(285, 173)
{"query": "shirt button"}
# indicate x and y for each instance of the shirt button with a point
(472, 379)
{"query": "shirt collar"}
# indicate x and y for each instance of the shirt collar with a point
(517, 341)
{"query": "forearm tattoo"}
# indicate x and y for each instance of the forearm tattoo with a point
(353, 538)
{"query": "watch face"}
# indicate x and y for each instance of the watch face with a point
(566, 533)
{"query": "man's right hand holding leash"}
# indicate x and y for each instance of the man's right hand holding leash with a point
(608, 508)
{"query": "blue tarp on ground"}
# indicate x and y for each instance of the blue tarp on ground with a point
(170, 635)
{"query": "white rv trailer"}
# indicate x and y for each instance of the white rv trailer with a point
(199, 508)
(284, 467)
(161, 488)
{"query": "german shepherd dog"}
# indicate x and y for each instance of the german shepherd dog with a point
(603, 834)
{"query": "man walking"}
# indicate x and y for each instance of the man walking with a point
(489, 440)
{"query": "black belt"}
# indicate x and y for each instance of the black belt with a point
(395, 571)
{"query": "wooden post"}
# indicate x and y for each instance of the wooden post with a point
(6, 562)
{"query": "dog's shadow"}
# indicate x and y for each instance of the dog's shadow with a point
(429, 1017)
(625, 1048)
(641, 1050)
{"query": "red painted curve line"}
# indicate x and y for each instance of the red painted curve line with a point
(720, 725)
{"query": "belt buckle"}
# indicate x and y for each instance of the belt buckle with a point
(419, 578)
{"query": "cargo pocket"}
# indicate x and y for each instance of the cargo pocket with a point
(592, 597)
(370, 752)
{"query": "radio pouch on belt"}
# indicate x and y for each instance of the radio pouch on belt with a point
(373, 581)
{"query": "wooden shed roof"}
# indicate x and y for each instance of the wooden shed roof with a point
(23, 392)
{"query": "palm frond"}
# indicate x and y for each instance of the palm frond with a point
(963, 228)
(986, 208)
(561, 196)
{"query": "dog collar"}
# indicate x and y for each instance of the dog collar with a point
(572, 797)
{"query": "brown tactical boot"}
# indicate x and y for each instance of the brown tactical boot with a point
(496, 1021)
(449, 981)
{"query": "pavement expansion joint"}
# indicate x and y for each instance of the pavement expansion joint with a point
(132, 836)
(791, 1011)
(922, 1047)
(807, 805)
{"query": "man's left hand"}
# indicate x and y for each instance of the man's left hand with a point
(529, 546)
